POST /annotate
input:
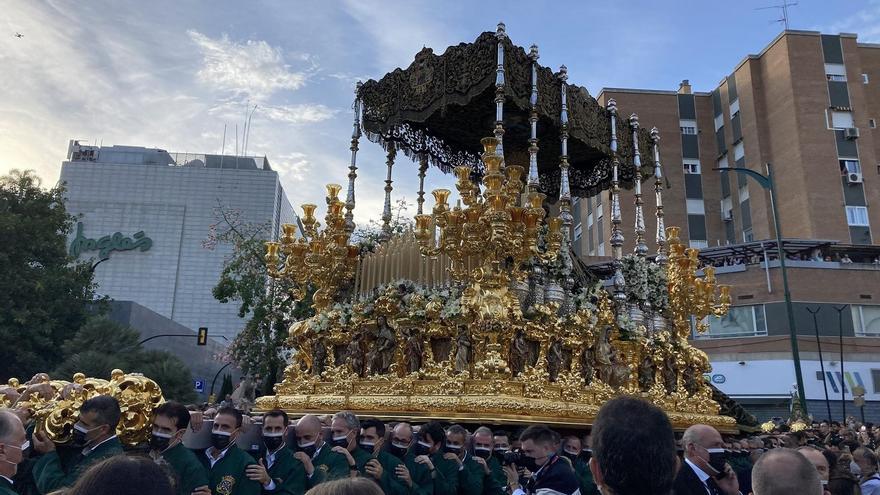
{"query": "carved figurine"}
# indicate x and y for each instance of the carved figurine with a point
(518, 353)
(554, 359)
(620, 372)
(604, 358)
(587, 364)
(383, 351)
(670, 375)
(462, 350)
(320, 357)
(355, 354)
(413, 350)
(646, 373)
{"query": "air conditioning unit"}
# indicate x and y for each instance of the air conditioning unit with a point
(851, 133)
(854, 178)
(727, 215)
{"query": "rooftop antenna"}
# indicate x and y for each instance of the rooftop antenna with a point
(784, 8)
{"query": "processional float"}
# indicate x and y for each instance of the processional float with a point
(481, 311)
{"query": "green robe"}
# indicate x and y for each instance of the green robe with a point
(50, 475)
(6, 487)
(388, 482)
(421, 477)
(446, 475)
(471, 478)
(329, 466)
(287, 472)
(190, 473)
(228, 477)
(496, 483)
(585, 478)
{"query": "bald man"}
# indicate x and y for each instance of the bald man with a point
(320, 462)
(705, 470)
(785, 472)
(13, 444)
(819, 461)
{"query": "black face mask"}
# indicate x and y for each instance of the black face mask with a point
(571, 457)
(367, 447)
(586, 454)
(482, 453)
(499, 453)
(452, 449)
(273, 442)
(220, 440)
(339, 442)
(308, 450)
(397, 451)
(160, 442)
(421, 449)
(529, 463)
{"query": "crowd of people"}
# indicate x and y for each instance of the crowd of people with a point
(631, 449)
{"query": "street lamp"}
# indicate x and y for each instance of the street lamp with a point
(766, 182)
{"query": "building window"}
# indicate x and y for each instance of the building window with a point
(864, 78)
(692, 168)
(740, 321)
(866, 320)
(841, 120)
(688, 130)
(578, 231)
(698, 244)
(872, 123)
(836, 77)
(601, 250)
(574, 201)
(857, 216)
(748, 235)
(850, 167)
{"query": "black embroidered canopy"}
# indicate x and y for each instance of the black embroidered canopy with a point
(442, 105)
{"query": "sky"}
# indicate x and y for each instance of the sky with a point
(171, 73)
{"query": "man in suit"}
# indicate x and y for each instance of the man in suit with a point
(13, 444)
(94, 439)
(633, 449)
(705, 470)
(551, 474)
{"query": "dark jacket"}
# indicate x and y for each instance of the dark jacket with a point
(50, 475)
(687, 482)
(556, 475)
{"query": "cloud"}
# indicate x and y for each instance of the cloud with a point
(865, 23)
(252, 68)
(297, 114)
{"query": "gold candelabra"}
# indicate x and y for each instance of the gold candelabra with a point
(690, 295)
(490, 238)
(323, 258)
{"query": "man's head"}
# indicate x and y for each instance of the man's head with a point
(98, 418)
(344, 428)
(866, 460)
(226, 428)
(626, 434)
(818, 460)
(275, 428)
(456, 440)
(571, 447)
(169, 424)
(538, 445)
(824, 428)
(401, 439)
(501, 441)
(785, 472)
(308, 432)
(13, 443)
(482, 442)
(700, 442)
(431, 437)
(372, 435)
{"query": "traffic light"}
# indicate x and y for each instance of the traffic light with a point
(203, 336)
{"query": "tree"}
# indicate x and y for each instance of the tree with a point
(267, 304)
(102, 345)
(45, 295)
(225, 387)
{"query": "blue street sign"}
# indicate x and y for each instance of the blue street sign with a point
(199, 385)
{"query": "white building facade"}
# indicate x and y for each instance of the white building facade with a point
(145, 216)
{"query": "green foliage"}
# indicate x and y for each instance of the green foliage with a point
(44, 294)
(102, 345)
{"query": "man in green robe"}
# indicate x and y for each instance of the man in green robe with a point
(382, 465)
(429, 451)
(278, 471)
(344, 429)
(94, 433)
(13, 443)
(494, 481)
(226, 463)
(170, 421)
(320, 462)
(572, 450)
